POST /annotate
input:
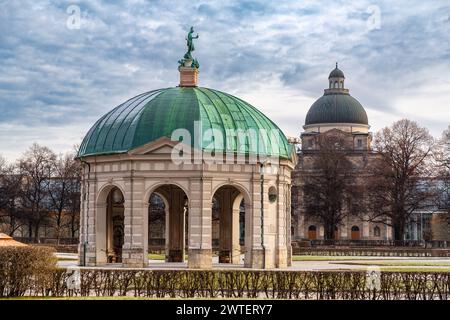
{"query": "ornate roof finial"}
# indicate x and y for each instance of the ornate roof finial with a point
(336, 65)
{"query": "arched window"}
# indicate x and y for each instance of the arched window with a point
(312, 232)
(376, 231)
(342, 84)
(336, 84)
(331, 84)
(355, 233)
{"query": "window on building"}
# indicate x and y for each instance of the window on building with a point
(376, 231)
(359, 142)
(310, 143)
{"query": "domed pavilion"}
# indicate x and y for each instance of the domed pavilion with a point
(216, 167)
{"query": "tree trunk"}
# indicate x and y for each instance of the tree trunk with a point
(30, 230)
(399, 231)
(328, 232)
(72, 228)
(36, 232)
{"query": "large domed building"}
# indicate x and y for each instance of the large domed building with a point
(339, 117)
(337, 110)
(206, 160)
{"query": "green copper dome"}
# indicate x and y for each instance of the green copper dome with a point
(336, 108)
(155, 114)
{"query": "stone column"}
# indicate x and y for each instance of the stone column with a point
(365, 230)
(321, 232)
(200, 228)
(133, 254)
(89, 223)
(255, 255)
(283, 213)
(344, 229)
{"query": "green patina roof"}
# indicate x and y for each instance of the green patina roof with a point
(336, 108)
(155, 114)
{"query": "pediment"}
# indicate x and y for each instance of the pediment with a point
(161, 146)
(336, 132)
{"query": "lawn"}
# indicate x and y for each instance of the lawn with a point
(412, 269)
(156, 256)
(399, 263)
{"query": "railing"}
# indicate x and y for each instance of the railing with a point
(380, 243)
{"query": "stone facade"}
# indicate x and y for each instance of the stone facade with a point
(148, 169)
(361, 157)
(440, 226)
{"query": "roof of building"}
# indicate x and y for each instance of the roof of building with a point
(155, 114)
(336, 108)
(7, 241)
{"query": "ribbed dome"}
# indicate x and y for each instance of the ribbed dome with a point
(336, 73)
(336, 108)
(155, 114)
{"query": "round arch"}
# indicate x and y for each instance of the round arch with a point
(238, 186)
(148, 192)
(104, 191)
(229, 242)
(175, 218)
(105, 225)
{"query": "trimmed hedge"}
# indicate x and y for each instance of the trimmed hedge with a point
(26, 270)
(348, 285)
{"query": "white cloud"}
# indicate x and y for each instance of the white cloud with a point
(55, 82)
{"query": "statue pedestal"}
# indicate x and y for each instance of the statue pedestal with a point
(188, 76)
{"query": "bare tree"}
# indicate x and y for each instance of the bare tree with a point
(330, 193)
(443, 197)
(10, 211)
(64, 186)
(36, 168)
(401, 181)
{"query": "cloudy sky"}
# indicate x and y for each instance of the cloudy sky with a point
(63, 64)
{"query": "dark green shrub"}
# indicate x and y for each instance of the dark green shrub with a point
(26, 270)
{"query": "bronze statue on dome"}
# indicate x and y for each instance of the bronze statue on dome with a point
(188, 61)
